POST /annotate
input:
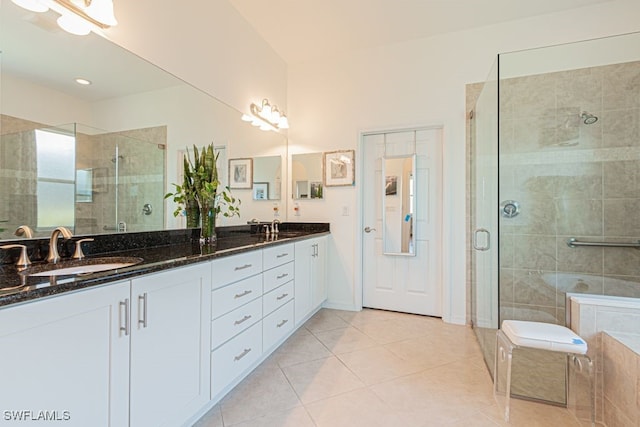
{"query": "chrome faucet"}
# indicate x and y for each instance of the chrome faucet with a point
(54, 256)
(274, 226)
(24, 230)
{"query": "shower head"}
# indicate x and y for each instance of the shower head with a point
(588, 118)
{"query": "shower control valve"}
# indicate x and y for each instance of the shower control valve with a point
(509, 208)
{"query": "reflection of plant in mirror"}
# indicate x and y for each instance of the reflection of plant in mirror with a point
(201, 186)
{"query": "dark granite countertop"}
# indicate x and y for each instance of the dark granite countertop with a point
(160, 250)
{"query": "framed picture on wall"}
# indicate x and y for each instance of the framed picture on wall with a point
(241, 173)
(339, 168)
(260, 190)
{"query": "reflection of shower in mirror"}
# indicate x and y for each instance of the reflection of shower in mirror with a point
(588, 118)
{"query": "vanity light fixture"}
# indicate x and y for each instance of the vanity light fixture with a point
(78, 17)
(266, 116)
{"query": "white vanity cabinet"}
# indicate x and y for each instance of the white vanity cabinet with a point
(170, 329)
(310, 281)
(69, 356)
(161, 348)
(130, 353)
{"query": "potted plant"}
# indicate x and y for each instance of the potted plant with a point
(201, 194)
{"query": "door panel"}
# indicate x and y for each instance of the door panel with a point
(404, 283)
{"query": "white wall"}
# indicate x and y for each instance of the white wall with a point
(206, 43)
(420, 82)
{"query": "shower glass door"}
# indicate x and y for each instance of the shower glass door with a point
(569, 166)
(484, 226)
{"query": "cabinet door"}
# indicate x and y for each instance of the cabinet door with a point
(318, 273)
(170, 345)
(304, 252)
(65, 357)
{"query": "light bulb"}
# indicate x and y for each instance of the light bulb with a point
(284, 122)
(266, 109)
(102, 11)
(74, 24)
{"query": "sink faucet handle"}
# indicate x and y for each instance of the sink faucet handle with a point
(23, 261)
(78, 254)
(24, 230)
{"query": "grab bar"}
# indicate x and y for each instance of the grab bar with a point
(572, 243)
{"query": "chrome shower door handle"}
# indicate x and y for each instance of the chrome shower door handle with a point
(369, 229)
(475, 239)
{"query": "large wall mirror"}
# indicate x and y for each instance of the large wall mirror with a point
(306, 176)
(109, 150)
(398, 205)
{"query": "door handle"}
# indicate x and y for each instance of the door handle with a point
(475, 239)
(369, 229)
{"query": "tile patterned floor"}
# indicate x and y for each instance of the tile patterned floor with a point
(375, 368)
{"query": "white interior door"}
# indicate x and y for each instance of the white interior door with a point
(407, 283)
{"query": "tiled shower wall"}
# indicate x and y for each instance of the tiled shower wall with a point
(141, 178)
(17, 175)
(571, 180)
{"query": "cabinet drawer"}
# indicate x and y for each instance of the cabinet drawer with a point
(277, 276)
(231, 269)
(234, 357)
(224, 300)
(233, 323)
(277, 297)
(278, 324)
(277, 255)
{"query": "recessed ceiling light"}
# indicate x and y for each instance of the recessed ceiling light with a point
(82, 81)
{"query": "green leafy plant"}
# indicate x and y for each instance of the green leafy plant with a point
(201, 186)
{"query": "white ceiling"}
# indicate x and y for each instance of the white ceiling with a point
(300, 30)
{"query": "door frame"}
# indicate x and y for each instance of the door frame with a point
(446, 225)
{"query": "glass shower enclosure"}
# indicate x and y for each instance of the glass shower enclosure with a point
(83, 178)
(555, 161)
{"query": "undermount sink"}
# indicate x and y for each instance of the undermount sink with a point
(85, 266)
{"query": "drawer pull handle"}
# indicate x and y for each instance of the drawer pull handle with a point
(281, 324)
(282, 296)
(281, 255)
(244, 319)
(282, 276)
(243, 267)
(241, 355)
(247, 292)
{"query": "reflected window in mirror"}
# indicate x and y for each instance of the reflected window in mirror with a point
(55, 188)
(306, 176)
